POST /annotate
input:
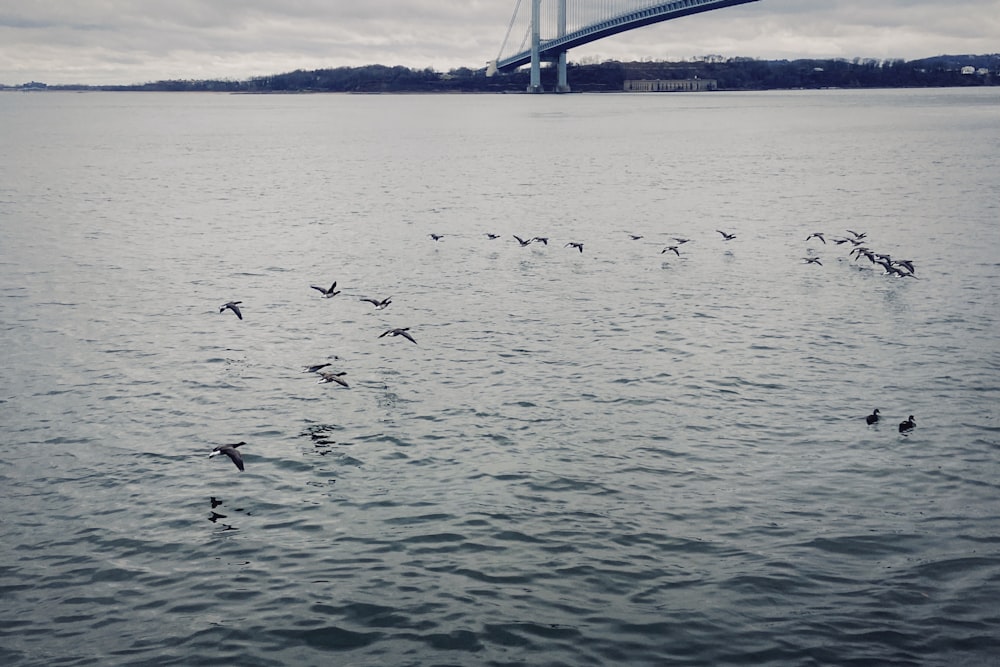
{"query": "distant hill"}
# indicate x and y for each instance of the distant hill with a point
(610, 76)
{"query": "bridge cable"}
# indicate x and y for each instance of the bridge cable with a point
(510, 26)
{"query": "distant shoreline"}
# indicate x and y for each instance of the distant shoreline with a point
(730, 74)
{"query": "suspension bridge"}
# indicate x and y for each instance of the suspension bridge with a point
(550, 29)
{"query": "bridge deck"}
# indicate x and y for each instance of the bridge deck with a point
(549, 49)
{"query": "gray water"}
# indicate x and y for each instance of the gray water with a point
(618, 456)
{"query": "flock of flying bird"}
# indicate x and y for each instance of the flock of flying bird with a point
(902, 268)
(326, 376)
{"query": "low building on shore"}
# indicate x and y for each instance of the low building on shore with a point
(669, 85)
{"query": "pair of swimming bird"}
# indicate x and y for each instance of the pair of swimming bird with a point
(904, 426)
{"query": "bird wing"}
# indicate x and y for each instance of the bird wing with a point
(372, 301)
(406, 334)
(235, 456)
(235, 309)
(317, 287)
(386, 333)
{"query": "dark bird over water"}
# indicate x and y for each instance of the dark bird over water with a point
(333, 377)
(233, 306)
(436, 237)
(379, 304)
(574, 244)
(492, 236)
(316, 367)
(908, 425)
(812, 260)
(680, 240)
(725, 236)
(404, 332)
(635, 237)
(327, 293)
(544, 240)
(522, 241)
(230, 451)
(671, 248)
(817, 235)
(857, 235)
(872, 418)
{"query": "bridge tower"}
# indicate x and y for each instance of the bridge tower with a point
(535, 86)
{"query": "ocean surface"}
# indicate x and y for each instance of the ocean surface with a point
(615, 456)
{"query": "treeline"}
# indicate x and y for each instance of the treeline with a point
(730, 73)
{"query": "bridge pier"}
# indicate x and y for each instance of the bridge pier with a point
(535, 85)
(562, 85)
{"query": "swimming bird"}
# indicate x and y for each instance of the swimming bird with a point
(230, 451)
(817, 235)
(492, 236)
(379, 305)
(872, 418)
(725, 236)
(522, 241)
(544, 240)
(672, 248)
(908, 425)
(233, 306)
(404, 332)
(436, 237)
(333, 377)
(574, 244)
(812, 260)
(327, 293)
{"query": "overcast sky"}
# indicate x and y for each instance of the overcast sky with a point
(136, 41)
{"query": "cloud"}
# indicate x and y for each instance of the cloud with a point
(132, 41)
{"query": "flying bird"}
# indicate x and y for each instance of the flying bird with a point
(872, 418)
(316, 367)
(544, 240)
(327, 293)
(635, 237)
(379, 304)
(436, 237)
(230, 451)
(671, 248)
(725, 236)
(680, 241)
(233, 306)
(574, 244)
(492, 236)
(817, 235)
(522, 241)
(908, 425)
(404, 332)
(333, 377)
(812, 260)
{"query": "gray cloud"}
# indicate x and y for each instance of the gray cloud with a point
(132, 41)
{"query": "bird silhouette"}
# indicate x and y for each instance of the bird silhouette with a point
(327, 293)
(233, 306)
(404, 332)
(230, 451)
